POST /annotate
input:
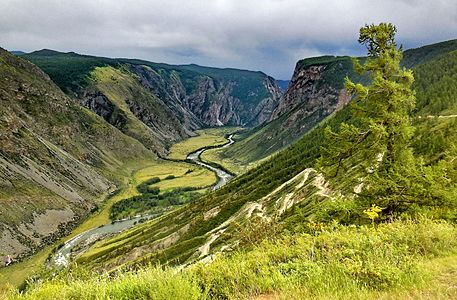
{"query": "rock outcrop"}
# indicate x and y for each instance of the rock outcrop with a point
(315, 91)
(211, 101)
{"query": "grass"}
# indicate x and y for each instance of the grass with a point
(185, 175)
(206, 137)
(199, 177)
(398, 260)
(230, 163)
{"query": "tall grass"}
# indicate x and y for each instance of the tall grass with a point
(331, 262)
(151, 283)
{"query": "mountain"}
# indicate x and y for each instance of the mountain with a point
(196, 96)
(285, 190)
(316, 90)
(291, 229)
(18, 52)
(56, 158)
(61, 152)
(283, 84)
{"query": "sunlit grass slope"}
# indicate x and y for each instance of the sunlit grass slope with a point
(398, 260)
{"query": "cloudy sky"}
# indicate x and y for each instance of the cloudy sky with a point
(266, 35)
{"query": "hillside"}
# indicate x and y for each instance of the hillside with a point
(316, 91)
(57, 158)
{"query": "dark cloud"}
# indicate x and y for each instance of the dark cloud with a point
(267, 35)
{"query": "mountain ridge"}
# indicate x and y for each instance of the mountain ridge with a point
(212, 96)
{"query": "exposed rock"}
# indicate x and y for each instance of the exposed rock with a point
(209, 102)
(305, 90)
(314, 92)
(170, 90)
(102, 106)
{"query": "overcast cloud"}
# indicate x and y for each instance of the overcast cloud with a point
(266, 35)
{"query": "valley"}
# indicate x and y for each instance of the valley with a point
(175, 173)
(126, 178)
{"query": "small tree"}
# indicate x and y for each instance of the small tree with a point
(377, 145)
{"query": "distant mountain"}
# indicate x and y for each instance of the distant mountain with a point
(283, 84)
(285, 190)
(18, 53)
(315, 91)
(60, 152)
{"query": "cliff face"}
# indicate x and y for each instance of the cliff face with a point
(102, 106)
(202, 98)
(315, 91)
(170, 90)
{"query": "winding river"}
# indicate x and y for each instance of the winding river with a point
(63, 255)
(222, 176)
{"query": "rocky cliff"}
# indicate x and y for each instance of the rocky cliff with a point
(315, 91)
(204, 96)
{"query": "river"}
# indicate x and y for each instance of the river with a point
(222, 176)
(63, 255)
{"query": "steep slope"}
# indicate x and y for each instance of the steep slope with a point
(315, 91)
(56, 158)
(111, 90)
(283, 189)
(436, 87)
(197, 96)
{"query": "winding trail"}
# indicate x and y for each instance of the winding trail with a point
(62, 257)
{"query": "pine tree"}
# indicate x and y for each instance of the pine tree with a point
(377, 145)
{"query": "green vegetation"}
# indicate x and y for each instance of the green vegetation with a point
(70, 71)
(150, 200)
(418, 56)
(391, 260)
(381, 140)
(322, 244)
(126, 93)
(56, 156)
(261, 142)
(184, 175)
(186, 229)
(144, 187)
(232, 164)
(436, 86)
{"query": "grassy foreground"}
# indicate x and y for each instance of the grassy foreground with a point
(397, 260)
